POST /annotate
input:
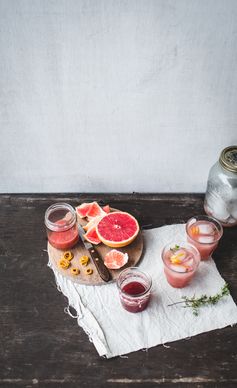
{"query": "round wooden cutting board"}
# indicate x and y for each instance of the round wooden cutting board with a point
(134, 251)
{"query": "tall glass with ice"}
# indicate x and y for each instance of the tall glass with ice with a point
(204, 233)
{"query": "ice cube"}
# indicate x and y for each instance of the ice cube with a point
(187, 258)
(217, 206)
(178, 268)
(189, 263)
(206, 239)
(233, 209)
(232, 220)
(206, 228)
(233, 197)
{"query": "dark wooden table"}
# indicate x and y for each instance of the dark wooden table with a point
(41, 346)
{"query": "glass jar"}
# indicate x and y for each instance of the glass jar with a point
(221, 194)
(134, 289)
(61, 226)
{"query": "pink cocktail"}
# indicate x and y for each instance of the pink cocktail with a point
(204, 233)
(181, 261)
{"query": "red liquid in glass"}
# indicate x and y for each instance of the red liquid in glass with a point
(132, 302)
(65, 239)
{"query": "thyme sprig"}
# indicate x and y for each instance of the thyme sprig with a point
(203, 300)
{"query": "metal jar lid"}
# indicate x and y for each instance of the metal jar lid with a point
(228, 158)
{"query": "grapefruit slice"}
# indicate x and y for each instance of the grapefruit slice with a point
(83, 209)
(95, 210)
(93, 222)
(92, 236)
(115, 259)
(90, 210)
(117, 229)
(106, 208)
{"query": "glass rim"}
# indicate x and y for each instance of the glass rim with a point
(57, 227)
(197, 261)
(205, 218)
(145, 274)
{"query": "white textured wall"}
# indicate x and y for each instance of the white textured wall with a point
(123, 95)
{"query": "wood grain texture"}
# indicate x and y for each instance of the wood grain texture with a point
(41, 346)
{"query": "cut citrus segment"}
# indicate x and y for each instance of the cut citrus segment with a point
(90, 209)
(95, 210)
(106, 208)
(178, 268)
(115, 259)
(83, 209)
(194, 230)
(93, 222)
(117, 229)
(92, 236)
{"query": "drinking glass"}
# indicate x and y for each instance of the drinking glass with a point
(134, 289)
(204, 233)
(180, 261)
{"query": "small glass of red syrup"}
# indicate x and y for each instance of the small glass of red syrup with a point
(61, 226)
(134, 289)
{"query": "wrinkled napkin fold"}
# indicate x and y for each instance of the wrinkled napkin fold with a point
(114, 331)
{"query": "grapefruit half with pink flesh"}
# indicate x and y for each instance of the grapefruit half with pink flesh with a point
(92, 236)
(117, 229)
(115, 259)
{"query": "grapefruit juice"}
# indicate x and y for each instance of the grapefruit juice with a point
(60, 221)
(63, 240)
(181, 261)
(204, 233)
(134, 289)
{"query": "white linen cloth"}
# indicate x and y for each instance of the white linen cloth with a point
(114, 331)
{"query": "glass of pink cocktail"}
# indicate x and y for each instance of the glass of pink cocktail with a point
(181, 261)
(204, 233)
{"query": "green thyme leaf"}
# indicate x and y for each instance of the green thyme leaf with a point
(175, 248)
(203, 300)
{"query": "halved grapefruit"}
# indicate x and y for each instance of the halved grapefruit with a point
(117, 229)
(115, 259)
